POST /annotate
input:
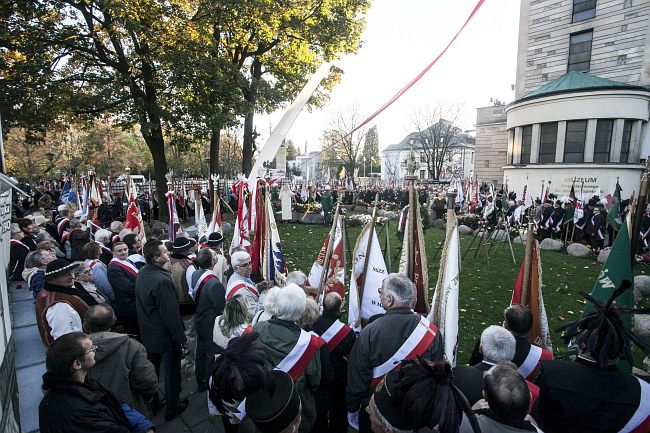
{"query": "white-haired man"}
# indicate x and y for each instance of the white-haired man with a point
(241, 284)
(294, 350)
(382, 345)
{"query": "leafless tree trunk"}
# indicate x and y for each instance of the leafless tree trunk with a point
(339, 145)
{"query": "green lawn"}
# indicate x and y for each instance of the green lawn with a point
(485, 290)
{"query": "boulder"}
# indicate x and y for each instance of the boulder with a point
(638, 296)
(314, 218)
(579, 250)
(476, 232)
(191, 231)
(464, 230)
(226, 227)
(602, 256)
(549, 244)
(360, 209)
(519, 240)
(499, 236)
(391, 214)
(439, 224)
(381, 213)
(642, 284)
(642, 326)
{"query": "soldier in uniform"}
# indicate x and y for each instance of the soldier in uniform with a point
(597, 228)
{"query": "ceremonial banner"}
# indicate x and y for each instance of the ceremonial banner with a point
(489, 203)
(335, 275)
(199, 216)
(215, 219)
(444, 306)
(539, 334)
(527, 196)
(174, 223)
(613, 213)
(95, 196)
(615, 273)
(420, 271)
(275, 269)
(376, 272)
(240, 230)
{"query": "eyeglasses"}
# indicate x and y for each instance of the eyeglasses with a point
(244, 265)
(93, 348)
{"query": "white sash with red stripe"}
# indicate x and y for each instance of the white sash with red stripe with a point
(242, 285)
(60, 226)
(18, 243)
(530, 364)
(195, 292)
(296, 361)
(335, 334)
(640, 421)
(417, 343)
(126, 265)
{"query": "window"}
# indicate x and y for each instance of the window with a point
(423, 174)
(627, 138)
(547, 142)
(583, 10)
(526, 141)
(580, 51)
(574, 145)
(423, 157)
(603, 140)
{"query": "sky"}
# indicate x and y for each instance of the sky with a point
(401, 38)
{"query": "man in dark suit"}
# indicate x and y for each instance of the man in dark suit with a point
(161, 325)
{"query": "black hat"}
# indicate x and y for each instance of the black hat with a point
(182, 243)
(383, 401)
(59, 266)
(274, 408)
(215, 239)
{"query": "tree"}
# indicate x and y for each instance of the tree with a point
(371, 148)
(438, 135)
(292, 150)
(339, 146)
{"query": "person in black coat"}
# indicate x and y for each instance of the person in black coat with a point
(74, 403)
(340, 338)
(161, 325)
(597, 228)
(17, 254)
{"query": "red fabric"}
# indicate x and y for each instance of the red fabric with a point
(336, 340)
(534, 394)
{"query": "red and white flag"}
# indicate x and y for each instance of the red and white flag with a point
(417, 253)
(363, 309)
(335, 269)
(240, 234)
(199, 216)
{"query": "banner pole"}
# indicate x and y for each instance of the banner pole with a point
(328, 254)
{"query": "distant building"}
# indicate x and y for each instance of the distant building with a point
(459, 161)
(582, 98)
(308, 165)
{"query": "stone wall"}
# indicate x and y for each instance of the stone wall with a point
(491, 143)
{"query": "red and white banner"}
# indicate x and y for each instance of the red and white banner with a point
(335, 273)
(417, 343)
(199, 216)
(296, 361)
(240, 234)
(420, 270)
(376, 272)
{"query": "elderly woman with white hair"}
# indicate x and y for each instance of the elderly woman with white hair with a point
(240, 282)
(292, 349)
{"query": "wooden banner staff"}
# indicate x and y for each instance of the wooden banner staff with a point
(270, 261)
(640, 209)
(328, 252)
(527, 264)
(362, 285)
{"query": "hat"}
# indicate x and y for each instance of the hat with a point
(61, 208)
(182, 243)
(385, 406)
(59, 266)
(215, 239)
(274, 408)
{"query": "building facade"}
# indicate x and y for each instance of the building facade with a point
(582, 104)
(491, 143)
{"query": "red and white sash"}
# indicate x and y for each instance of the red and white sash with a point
(296, 361)
(535, 356)
(243, 285)
(198, 287)
(94, 263)
(417, 343)
(640, 421)
(126, 265)
(335, 334)
(60, 226)
(18, 244)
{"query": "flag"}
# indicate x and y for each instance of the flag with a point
(259, 240)
(275, 269)
(133, 220)
(616, 273)
(199, 216)
(614, 211)
(173, 215)
(568, 215)
(578, 213)
(65, 194)
(335, 272)
(527, 196)
(240, 231)
(416, 252)
(342, 173)
(362, 309)
(539, 333)
(444, 306)
(489, 202)
(215, 219)
(94, 195)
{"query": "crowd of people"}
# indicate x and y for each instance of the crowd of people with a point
(120, 317)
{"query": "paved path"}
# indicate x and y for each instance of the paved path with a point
(30, 366)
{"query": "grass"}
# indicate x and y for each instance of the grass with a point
(485, 290)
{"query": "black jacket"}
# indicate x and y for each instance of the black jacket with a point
(123, 285)
(339, 355)
(73, 407)
(159, 315)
